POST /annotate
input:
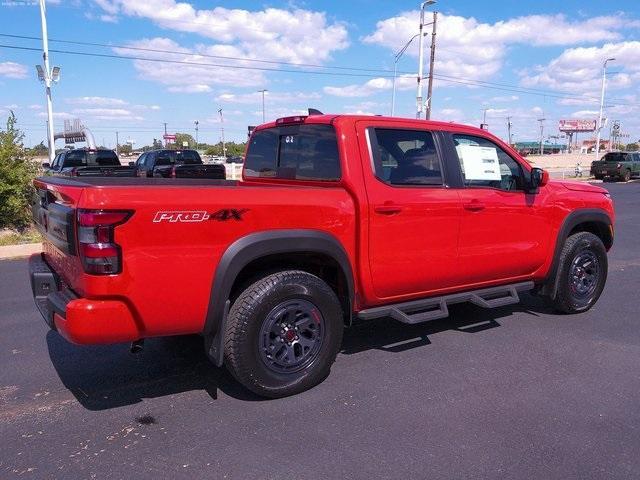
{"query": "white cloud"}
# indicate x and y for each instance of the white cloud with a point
(107, 113)
(35, 107)
(60, 115)
(372, 87)
(585, 113)
(13, 70)
(504, 98)
(96, 101)
(255, 98)
(299, 36)
(471, 49)
(194, 76)
(580, 70)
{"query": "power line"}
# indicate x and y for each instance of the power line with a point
(450, 78)
(444, 78)
(205, 55)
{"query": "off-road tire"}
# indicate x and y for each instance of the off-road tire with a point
(243, 354)
(581, 245)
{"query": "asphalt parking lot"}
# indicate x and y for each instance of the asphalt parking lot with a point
(516, 392)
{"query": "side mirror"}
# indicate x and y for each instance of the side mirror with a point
(539, 178)
(131, 164)
(46, 165)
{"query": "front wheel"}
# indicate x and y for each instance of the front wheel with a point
(283, 334)
(582, 273)
(626, 176)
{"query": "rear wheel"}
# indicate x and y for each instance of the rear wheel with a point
(283, 334)
(582, 273)
(599, 177)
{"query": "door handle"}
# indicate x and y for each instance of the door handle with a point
(387, 209)
(474, 206)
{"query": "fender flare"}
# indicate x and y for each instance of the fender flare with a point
(253, 247)
(575, 218)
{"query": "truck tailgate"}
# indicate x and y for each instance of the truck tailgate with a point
(53, 210)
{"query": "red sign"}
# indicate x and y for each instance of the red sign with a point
(169, 136)
(577, 125)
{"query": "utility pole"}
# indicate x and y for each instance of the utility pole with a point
(117, 142)
(224, 148)
(431, 63)
(419, 103)
(263, 91)
(509, 124)
(165, 135)
(541, 120)
(46, 77)
(196, 123)
(604, 81)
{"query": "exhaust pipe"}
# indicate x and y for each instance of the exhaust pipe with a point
(137, 346)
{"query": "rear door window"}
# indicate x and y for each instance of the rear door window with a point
(297, 152)
(405, 157)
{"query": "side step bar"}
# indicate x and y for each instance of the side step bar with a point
(433, 308)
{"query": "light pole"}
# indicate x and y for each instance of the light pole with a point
(421, 58)
(541, 120)
(224, 148)
(196, 123)
(396, 58)
(604, 81)
(47, 75)
(432, 61)
(263, 91)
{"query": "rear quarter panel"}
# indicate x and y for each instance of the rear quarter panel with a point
(168, 267)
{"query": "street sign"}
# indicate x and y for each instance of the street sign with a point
(575, 125)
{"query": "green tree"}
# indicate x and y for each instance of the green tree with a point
(184, 137)
(40, 150)
(632, 147)
(17, 171)
(124, 149)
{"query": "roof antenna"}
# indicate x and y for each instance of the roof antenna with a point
(313, 111)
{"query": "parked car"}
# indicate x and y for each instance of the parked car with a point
(338, 217)
(176, 164)
(83, 162)
(620, 165)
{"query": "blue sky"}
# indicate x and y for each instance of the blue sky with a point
(526, 60)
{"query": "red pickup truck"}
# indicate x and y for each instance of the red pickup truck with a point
(337, 218)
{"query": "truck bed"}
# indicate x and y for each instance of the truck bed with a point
(135, 181)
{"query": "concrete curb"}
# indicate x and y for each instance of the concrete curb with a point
(17, 251)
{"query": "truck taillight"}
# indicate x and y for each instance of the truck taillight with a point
(173, 172)
(98, 251)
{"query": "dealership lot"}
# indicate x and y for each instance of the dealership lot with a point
(516, 392)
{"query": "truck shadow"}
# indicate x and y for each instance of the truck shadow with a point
(109, 376)
(105, 377)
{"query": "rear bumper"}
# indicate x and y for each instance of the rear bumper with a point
(79, 320)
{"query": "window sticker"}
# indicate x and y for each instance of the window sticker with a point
(479, 163)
